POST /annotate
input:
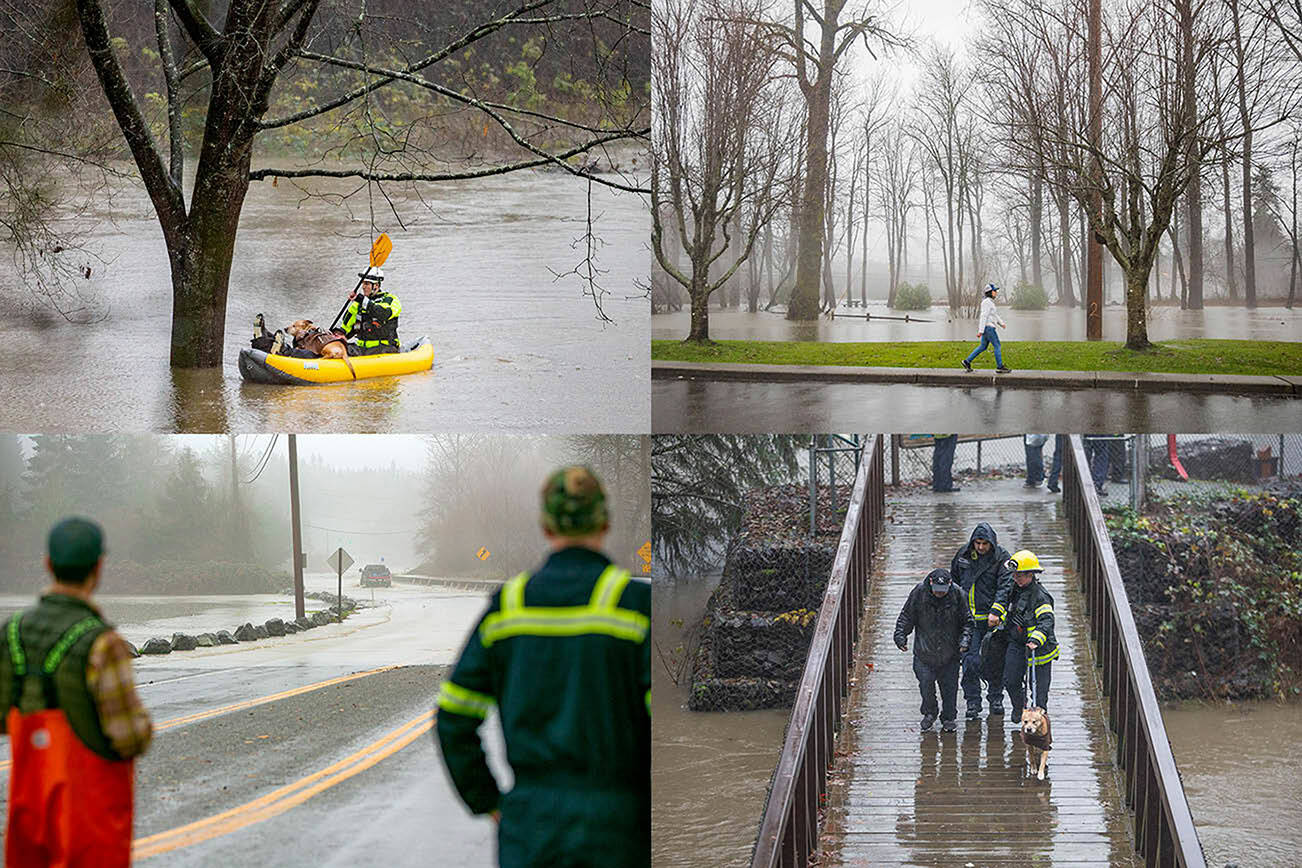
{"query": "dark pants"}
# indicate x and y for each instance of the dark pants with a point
(1117, 463)
(1034, 464)
(1015, 673)
(942, 463)
(947, 677)
(1055, 469)
(972, 670)
(1096, 452)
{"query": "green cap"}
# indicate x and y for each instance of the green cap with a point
(573, 503)
(76, 542)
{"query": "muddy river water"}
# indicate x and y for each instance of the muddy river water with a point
(515, 347)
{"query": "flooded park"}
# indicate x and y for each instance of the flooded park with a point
(1165, 323)
(515, 346)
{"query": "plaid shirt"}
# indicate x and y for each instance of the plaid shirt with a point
(123, 718)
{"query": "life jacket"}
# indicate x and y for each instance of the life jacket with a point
(69, 806)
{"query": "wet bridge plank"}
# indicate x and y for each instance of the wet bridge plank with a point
(902, 797)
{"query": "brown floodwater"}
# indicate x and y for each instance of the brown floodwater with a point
(1242, 773)
(709, 770)
(515, 347)
(1053, 324)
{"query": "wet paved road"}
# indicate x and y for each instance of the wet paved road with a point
(902, 797)
(316, 748)
(752, 408)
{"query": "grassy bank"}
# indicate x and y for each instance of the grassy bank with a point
(1198, 356)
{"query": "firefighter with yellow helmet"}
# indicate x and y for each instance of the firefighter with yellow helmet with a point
(1028, 627)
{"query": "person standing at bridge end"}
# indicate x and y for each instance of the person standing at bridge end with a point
(74, 721)
(564, 655)
(939, 618)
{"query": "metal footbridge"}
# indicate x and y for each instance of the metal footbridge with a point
(858, 784)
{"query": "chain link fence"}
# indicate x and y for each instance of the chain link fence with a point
(1196, 463)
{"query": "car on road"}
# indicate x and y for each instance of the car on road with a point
(376, 574)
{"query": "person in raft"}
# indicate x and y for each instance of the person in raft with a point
(986, 332)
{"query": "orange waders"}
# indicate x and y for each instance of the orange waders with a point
(68, 806)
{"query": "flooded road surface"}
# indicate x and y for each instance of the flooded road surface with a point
(709, 770)
(901, 796)
(739, 407)
(1053, 324)
(514, 347)
(1241, 771)
(316, 745)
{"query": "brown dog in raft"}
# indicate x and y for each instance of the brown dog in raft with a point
(315, 339)
(1037, 737)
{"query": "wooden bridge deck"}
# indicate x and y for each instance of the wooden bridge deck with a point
(897, 796)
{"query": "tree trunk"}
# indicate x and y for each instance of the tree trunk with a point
(1194, 193)
(1249, 258)
(700, 331)
(1136, 308)
(1037, 215)
(809, 257)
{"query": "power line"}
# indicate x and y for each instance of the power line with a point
(264, 460)
(364, 532)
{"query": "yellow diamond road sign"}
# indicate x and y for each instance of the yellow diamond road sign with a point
(483, 553)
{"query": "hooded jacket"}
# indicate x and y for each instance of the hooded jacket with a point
(986, 580)
(943, 624)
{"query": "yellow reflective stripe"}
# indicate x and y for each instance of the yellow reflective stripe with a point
(350, 317)
(1044, 608)
(461, 700)
(1047, 657)
(513, 593)
(609, 587)
(1036, 635)
(971, 600)
(564, 621)
(648, 701)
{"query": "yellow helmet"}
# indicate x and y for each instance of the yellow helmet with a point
(1026, 561)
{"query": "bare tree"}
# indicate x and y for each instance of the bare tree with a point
(1143, 161)
(815, 63)
(258, 50)
(716, 109)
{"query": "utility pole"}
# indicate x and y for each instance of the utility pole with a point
(1093, 249)
(299, 610)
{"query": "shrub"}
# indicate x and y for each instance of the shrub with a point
(912, 297)
(1028, 297)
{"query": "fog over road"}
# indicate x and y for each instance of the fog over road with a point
(310, 749)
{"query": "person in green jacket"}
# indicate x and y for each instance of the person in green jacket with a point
(564, 656)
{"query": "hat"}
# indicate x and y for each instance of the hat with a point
(372, 274)
(573, 502)
(939, 580)
(76, 542)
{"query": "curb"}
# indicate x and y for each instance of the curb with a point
(1279, 386)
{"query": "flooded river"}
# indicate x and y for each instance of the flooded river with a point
(1241, 771)
(515, 347)
(1054, 324)
(709, 771)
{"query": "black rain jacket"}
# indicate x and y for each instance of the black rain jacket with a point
(942, 624)
(987, 581)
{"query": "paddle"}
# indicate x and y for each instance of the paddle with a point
(379, 252)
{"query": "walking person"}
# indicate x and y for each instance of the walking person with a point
(980, 569)
(74, 721)
(989, 318)
(1098, 453)
(564, 655)
(1034, 446)
(943, 626)
(1029, 628)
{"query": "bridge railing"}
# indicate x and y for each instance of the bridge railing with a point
(1164, 828)
(789, 830)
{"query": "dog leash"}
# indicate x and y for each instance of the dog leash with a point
(1030, 678)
